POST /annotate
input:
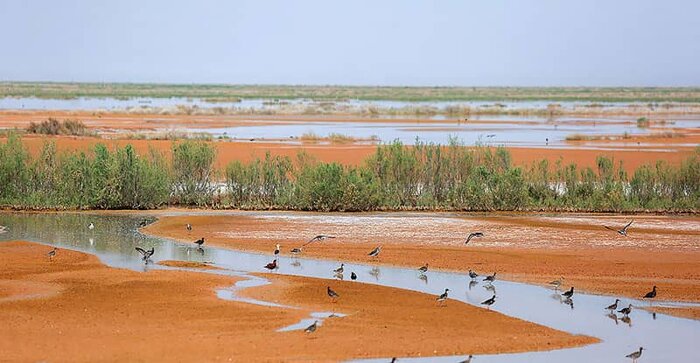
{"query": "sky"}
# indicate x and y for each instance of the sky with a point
(393, 42)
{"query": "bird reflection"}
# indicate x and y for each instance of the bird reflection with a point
(472, 283)
(200, 250)
(490, 287)
(627, 320)
(424, 278)
(569, 301)
(653, 315)
(375, 272)
(613, 317)
(92, 241)
(338, 275)
(296, 263)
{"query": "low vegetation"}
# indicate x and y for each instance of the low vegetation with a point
(395, 177)
(53, 126)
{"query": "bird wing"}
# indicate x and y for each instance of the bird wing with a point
(374, 251)
(626, 226)
(141, 250)
(610, 228)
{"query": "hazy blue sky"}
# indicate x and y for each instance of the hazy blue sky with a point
(480, 42)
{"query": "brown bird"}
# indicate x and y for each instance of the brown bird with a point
(311, 328)
(332, 294)
(52, 253)
(423, 269)
(651, 294)
(622, 231)
(272, 265)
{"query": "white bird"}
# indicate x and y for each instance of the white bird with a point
(340, 269)
(91, 226)
(146, 254)
(3, 229)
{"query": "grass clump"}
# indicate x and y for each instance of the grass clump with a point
(53, 126)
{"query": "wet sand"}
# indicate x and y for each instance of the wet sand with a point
(76, 309)
(662, 251)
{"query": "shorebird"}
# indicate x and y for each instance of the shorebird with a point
(635, 355)
(375, 252)
(91, 226)
(557, 283)
(340, 269)
(353, 276)
(423, 269)
(146, 254)
(199, 242)
(3, 229)
(189, 227)
(569, 293)
(393, 360)
(626, 311)
(613, 306)
(490, 278)
(332, 294)
(441, 299)
(277, 249)
(52, 253)
(472, 235)
(489, 302)
(320, 237)
(651, 294)
(468, 360)
(272, 265)
(622, 231)
(311, 328)
(473, 275)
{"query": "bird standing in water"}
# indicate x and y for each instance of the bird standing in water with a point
(635, 355)
(353, 276)
(146, 254)
(569, 293)
(612, 307)
(473, 275)
(272, 265)
(340, 269)
(490, 278)
(626, 311)
(442, 298)
(199, 242)
(423, 269)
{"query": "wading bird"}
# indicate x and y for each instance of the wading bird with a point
(622, 231)
(473, 235)
(146, 254)
(490, 278)
(332, 294)
(199, 242)
(272, 265)
(473, 275)
(340, 269)
(635, 355)
(441, 299)
(612, 307)
(353, 276)
(468, 360)
(375, 252)
(651, 294)
(52, 253)
(311, 328)
(489, 302)
(423, 269)
(569, 293)
(277, 249)
(626, 311)
(189, 227)
(557, 283)
(296, 251)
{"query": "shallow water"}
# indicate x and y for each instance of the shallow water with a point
(665, 338)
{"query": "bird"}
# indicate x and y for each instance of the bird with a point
(622, 231)
(473, 275)
(612, 307)
(91, 226)
(626, 311)
(423, 269)
(199, 242)
(635, 355)
(320, 237)
(468, 360)
(441, 299)
(340, 269)
(393, 360)
(3, 229)
(189, 227)
(52, 253)
(557, 283)
(332, 294)
(472, 235)
(375, 252)
(651, 294)
(296, 251)
(569, 293)
(146, 254)
(489, 302)
(311, 328)
(277, 249)
(490, 278)
(353, 276)
(272, 265)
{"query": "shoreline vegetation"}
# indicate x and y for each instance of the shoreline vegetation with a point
(426, 177)
(234, 93)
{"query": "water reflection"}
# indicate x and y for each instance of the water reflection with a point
(423, 277)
